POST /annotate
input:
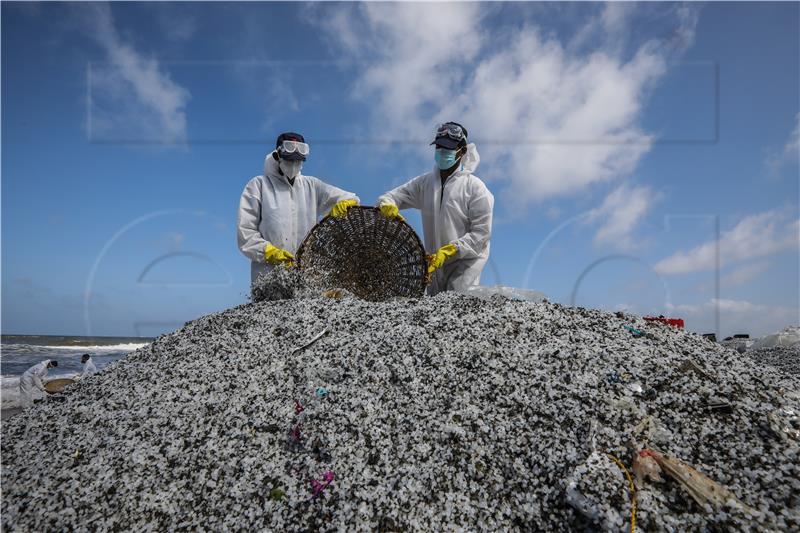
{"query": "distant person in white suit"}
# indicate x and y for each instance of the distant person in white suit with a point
(32, 379)
(88, 366)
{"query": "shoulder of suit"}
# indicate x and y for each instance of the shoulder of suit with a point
(256, 179)
(254, 184)
(427, 176)
(477, 183)
(315, 181)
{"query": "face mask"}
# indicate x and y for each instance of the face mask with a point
(291, 169)
(444, 158)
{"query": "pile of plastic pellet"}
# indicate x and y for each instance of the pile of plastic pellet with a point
(434, 414)
(784, 358)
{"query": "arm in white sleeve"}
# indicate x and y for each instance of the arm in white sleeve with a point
(328, 196)
(406, 196)
(38, 382)
(473, 243)
(251, 242)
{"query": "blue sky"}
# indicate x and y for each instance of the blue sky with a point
(622, 142)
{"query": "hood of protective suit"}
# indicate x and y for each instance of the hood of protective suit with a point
(271, 168)
(471, 159)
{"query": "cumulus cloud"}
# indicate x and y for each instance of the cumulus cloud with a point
(620, 214)
(407, 58)
(550, 118)
(611, 23)
(132, 97)
(754, 236)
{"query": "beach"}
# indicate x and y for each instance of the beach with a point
(20, 352)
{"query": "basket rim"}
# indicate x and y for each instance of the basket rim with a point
(60, 383)
(303, 245)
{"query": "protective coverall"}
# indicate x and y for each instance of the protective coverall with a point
(32, 378)
(460, 213)
(274, 211)
(88, 368)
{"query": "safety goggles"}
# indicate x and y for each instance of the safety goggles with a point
(290, 147)
(454, 131)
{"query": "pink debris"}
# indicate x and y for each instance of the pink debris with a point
(318, 486)
(298, 407)
(296, 435)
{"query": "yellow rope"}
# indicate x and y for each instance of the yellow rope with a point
(633, 491)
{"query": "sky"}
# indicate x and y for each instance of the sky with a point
(643, 156)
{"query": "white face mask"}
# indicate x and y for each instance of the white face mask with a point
(291, 169)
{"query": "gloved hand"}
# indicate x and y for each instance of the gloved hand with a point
(442, 254)
(390, 211)
(341, 207)
(275, 256)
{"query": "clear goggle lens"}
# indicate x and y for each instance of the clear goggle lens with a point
(291, 147)
(453, 131)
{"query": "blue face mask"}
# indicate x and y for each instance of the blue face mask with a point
(444, 158)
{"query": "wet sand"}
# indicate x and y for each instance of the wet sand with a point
(9, 412)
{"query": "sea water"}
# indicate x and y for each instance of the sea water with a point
(20, 352)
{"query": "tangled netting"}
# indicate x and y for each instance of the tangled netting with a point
(373, 257)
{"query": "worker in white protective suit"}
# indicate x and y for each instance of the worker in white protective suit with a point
(88, 366)
(33, 379)
(278, 209)
(456, 211)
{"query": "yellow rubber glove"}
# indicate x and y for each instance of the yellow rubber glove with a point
(442, 254)
(341, 207)
(390, 211)
(275, 256)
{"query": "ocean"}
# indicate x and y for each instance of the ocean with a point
(20, 352)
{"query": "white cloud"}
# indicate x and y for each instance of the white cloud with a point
(743, 274)
(550, 120)
(790, 153)
(279, 97)
(736, 316)
(175, 20)
(132, 96)
(737, 277)
(793, 144)
(620, 213)
(611, 23)
(754, 236)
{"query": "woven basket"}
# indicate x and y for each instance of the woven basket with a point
(373, 257)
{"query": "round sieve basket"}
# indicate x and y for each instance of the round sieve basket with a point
(374, 257)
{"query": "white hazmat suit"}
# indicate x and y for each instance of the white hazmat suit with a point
(88, 368)
(459, 213)
(273, 211)
(30, 380)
